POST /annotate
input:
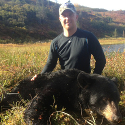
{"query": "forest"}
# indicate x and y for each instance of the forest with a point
(37, 20)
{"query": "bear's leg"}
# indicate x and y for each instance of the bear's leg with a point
(38, 110)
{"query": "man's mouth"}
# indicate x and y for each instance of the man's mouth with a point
(67, 23)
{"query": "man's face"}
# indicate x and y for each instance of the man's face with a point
(68, 19)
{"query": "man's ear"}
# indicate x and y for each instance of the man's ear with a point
(85, 79)
(59, 18)
(77, 16)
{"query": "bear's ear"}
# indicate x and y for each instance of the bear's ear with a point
(115, 80)
(85, 79)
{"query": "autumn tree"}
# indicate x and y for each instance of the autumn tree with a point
(115, 33)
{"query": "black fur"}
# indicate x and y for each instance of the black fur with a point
(71, 88)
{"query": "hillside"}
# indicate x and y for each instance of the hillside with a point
(117, 17)
(33, 20)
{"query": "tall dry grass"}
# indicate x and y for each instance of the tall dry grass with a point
(20, 61)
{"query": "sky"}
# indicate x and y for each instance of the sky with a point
(102, 4)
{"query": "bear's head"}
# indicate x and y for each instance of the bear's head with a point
(102, 95)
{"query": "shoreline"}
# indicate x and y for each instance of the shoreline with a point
(102, 41)
(110, 41)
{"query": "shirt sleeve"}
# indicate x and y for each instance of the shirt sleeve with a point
(52, 59)
(97, 51)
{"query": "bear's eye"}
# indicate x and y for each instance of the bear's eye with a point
(104, 100)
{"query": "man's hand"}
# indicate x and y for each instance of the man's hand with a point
(34, 77)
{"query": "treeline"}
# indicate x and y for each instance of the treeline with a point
(30, 20)
(25, 12)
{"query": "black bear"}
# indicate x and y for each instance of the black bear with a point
(72, 89)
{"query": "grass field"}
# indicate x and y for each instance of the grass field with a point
(20, 61)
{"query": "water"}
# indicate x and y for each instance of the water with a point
(114, 48)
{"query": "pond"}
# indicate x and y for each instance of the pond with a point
(114, 48)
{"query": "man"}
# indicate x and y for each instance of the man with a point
(74, 46)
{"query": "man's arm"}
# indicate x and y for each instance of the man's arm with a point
(97, 51)
(99, 64)
(52, 60)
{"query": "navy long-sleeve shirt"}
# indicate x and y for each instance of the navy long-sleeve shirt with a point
(75, 52)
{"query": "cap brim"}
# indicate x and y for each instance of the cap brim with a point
(67, 9)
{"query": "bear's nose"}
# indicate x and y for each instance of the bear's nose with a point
(117, 119)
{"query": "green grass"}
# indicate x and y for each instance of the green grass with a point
(20, 61)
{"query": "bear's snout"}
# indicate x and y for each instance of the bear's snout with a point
(112, 113)
(116, 118)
